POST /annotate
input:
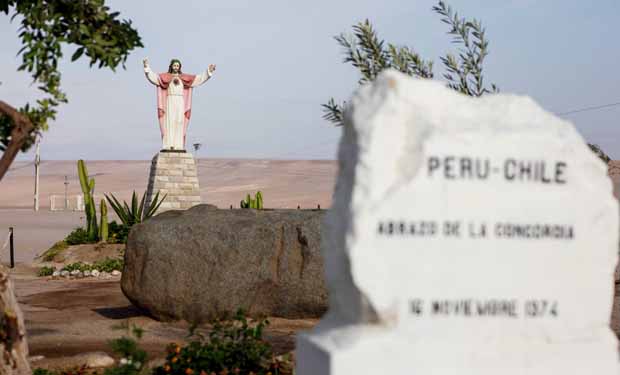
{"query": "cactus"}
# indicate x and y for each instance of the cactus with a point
(103, 227)
(88, 187)
(256, 203)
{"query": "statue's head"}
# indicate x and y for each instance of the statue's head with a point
(175, 66)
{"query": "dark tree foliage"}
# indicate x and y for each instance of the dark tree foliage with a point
(599, 152)
(47, 26)
(370, 55)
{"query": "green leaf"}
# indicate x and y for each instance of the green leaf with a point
(76, 55)
(141, 207)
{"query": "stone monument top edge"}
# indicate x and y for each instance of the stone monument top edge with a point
(449, 110)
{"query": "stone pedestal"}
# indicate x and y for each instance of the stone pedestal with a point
(174, 174)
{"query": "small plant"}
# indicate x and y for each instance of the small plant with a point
(106, 265)
(256, 203)
(133, 359)
(109, 265)
(46, 271)
(137, 212)
(117, 232)
(79, 266)
(232, 347)
(77, 237)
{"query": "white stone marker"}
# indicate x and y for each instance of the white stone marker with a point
(467, 236)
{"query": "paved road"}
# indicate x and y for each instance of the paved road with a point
(34, 232)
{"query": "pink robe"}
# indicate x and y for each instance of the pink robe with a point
(165, 79)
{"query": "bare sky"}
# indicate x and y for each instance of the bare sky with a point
(277, 62)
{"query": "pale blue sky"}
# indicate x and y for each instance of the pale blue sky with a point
(277, 62)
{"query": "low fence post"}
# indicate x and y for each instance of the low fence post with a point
(11, 246)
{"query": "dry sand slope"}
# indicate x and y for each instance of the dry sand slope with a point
(284, 183)
(223, 182)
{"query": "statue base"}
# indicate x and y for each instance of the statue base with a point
(174, 172)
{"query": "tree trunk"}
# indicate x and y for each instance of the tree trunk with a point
(13, 344)
(19, 135)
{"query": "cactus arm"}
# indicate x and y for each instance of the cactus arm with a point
(83, 174)
(92, 219)
(103, 227)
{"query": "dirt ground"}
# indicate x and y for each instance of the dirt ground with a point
(69, 317)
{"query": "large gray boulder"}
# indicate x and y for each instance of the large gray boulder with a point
(205, 263)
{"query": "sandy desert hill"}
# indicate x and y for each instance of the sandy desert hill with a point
(223, 182)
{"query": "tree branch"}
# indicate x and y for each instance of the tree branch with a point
(21, 130)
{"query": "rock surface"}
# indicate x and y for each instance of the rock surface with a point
(448, 234)
(94, 359)
(204, 263)
(13, 345)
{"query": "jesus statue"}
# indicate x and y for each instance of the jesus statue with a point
(174, 101)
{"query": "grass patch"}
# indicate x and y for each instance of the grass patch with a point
(57, 248)
(105, 265)
(46, 271)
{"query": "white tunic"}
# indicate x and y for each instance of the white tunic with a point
(173, 137)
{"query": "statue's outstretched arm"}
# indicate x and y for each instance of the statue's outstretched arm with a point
(204, 77)
(150, 75)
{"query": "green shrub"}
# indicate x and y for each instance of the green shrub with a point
(46, 271)
(109, 265)
(77, 237)
(77, 266)
(136, 212)
(106, 265)
(118, 232)
(132, 358)
(232, 347)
